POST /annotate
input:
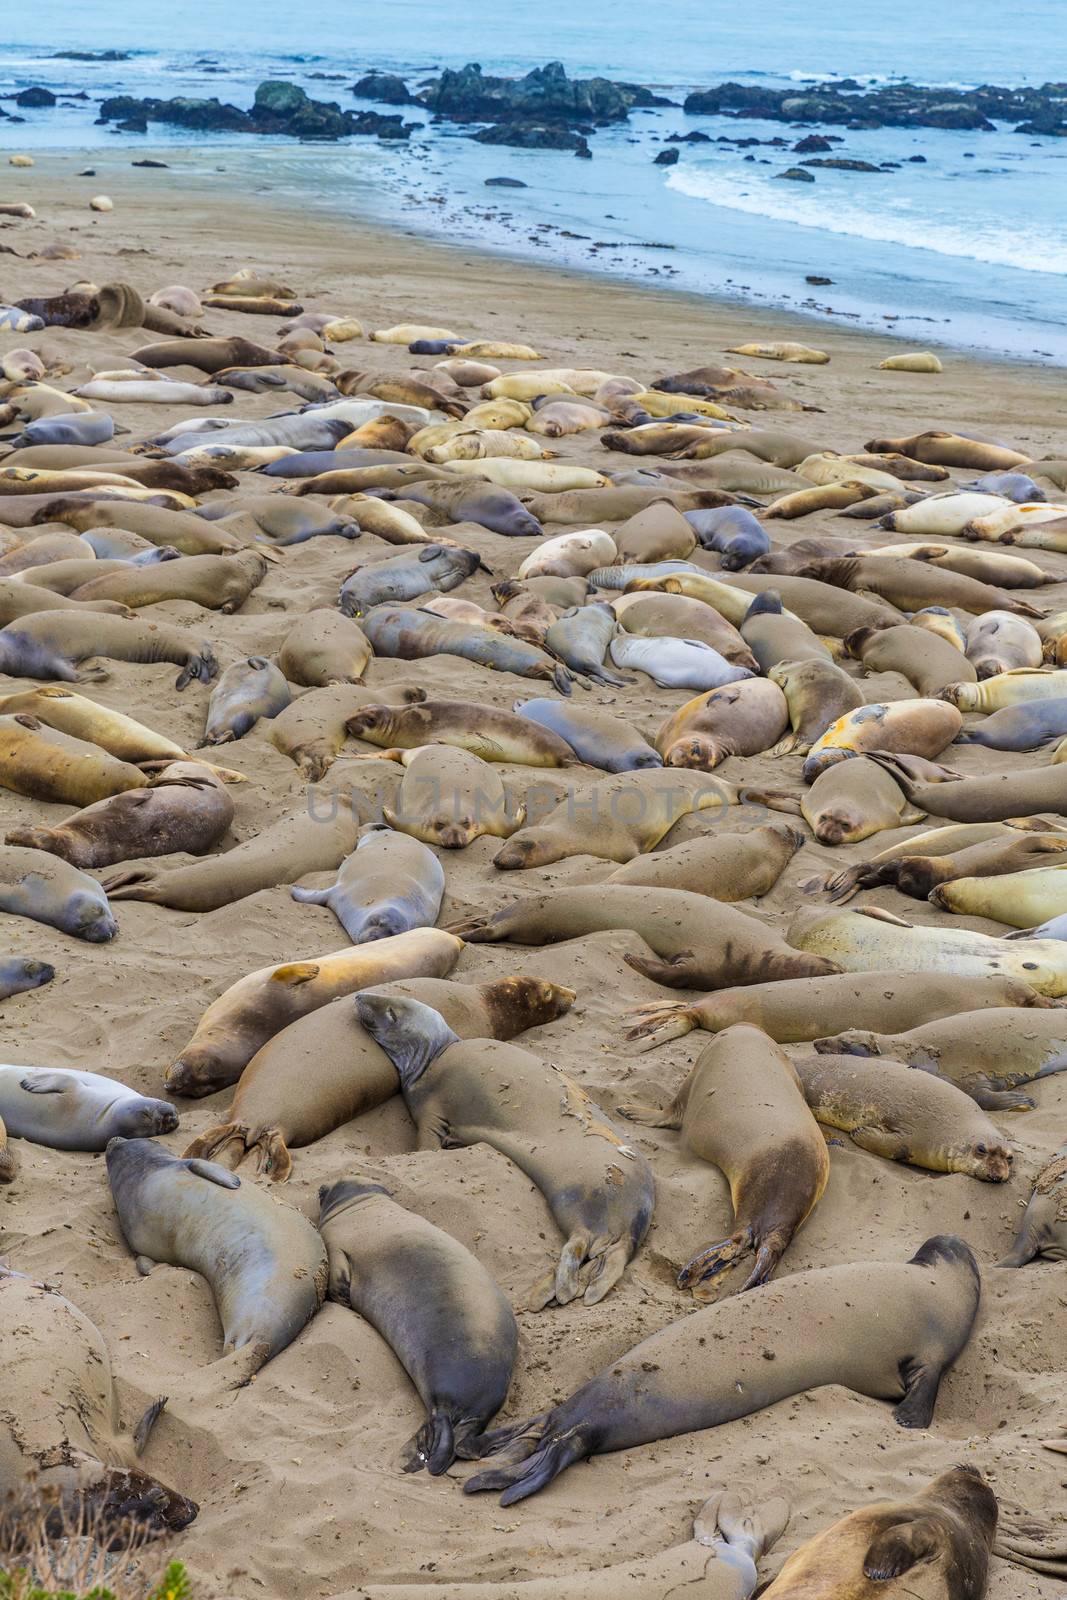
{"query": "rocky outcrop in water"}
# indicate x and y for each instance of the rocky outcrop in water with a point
(279, 107)
(385, 88)
(534, 136)
(545, 95)
(897, 105)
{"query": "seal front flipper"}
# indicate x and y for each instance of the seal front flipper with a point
(433, 1447)
(669, 1116)
(897, 1549)
(213, 1173)
(45, 1083)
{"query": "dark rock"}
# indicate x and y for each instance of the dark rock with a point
(91, 55)
(544, 95)
(896, 105)
(280, 99)
(696, 137)
(386, 88)
(184, 112)
(161, 164)
(814, 278)
(532, 136)
(666, 158)
(919, 159)
(132, 125)
(87, 172)
(797, 174)
(841, 164)
(35, 97)
(812, 145)
(505, 183)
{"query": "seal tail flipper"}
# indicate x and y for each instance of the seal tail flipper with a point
(433, 1447)
(607, 1269)
(660, 1021)
(714, 1259)
(1002, 1100)
(521, 1439)
(669, 1116)
(527, 1477)
(312, 897)
(574, 1253)
(147, 1423)
(1029, 1542)
(749, 1529)
(476, 929)
(773, 799)
(676, 972)
(916, 1410)
(128, 883)
(224, 1142)
(1028, 1241)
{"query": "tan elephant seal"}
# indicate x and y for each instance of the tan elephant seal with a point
(936, 1544)
(885, 1329)
(449, 798)
(773, 636)
(121, 736)
(829, 612)
(599, 1189)
(727, 866)
(220, 583)
(264, 1262)
(1043, 1230)
(927, 661)
(313, 728)
(817, 695)
(324, 1069)
(64, 1451)
(485, 731)
(208, 355)
(185, 808)
(1009, 850)
(258, 1006)
(764, 1140)
(942, 449)
(323, 648)
(847, 802)
(904, 727)
(739, 719)
(995, 797)
(45, 764)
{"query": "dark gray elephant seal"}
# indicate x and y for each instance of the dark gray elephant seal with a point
(398, 579)
(886, 1329)
(599, 1189)
(246, 691)
(434, 1304)
(75, 636)
(69, 1110)
(1022, 727)
(1043, 1230)
(596, 737)
(580, 638)
(390, 884)
(19, 973)
(38, 885)
(733, 532)
(264, 1262)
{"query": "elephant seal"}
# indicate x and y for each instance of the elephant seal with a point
(101, 520)
(936, 1543)
(988, 1054)
(1021, 899)
(911, 585)
(312, 729)
(264, 1263)
(1004, 689)
(764, 1140)
(258, 1006)
(411, 635)
(902, 727)
(596, 737)
(731, 531)
(46, 764)
(697, 943)
(485, 731)
(449, 798)
(619, 818)
(873, 940)
(220, 583)
(323, 648)
(429, 568)
(324, 1069)
(676, 663)
(658, 533)
(892, 1111)
(847, 802)
(246, 691)
(388, 885)
(306, 840)
(817, 695)
(435, 1305)
(599, 1189)
(1023, 727)
(773, 637)
(1021, 792)
(829, 612)
(487, 504)
(928, 846)
(1043, 1230)
(998, 642)
(186, 807)
(64, 1452)
(942, 449)
(726, 866)
(569, 555)
(798, 1010)
(40, 886)
(8, 1165)
(20, 973)
(663, 615)
(742, 719)
(1008, 850)
(69, 1110)
(580, 638)
(75, 636)
(886, 1329)
(207, 355)
(927, 661)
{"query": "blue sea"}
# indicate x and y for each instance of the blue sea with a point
(968, 248)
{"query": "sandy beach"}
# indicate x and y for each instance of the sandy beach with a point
(296, 1475)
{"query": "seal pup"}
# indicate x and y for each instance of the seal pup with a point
(886, 1329)
(71, 713)
(1022, 727)
(1021, 899)
(64, 1446)
(38, 885)
(599, 1189)
(676, 663)
(937, 1544)
(742, 1108)
(998, 642)
(389, 884)
(411, 635)
(435, 1305)
(20, 973)
(928, 661)
(246, 691)
(1043, 1230)
(70, 1110)
(847, 802)
(264, 1263)
(894, 1112)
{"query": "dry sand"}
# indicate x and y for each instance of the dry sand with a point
(296, 1475)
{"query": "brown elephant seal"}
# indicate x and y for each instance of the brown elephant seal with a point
(829, 612)
(40, 886)
(892, 1111)
(599, 1189)
(773, 636)
(322, 648)
(726, 866)
(911, 585)
(304, 841)
(220, 583)
(742, 1109)
(8, 1164)
(324, 1069)
(901, 727)
(739, 719)
(64, 1451)
(817, 694)
(45, 764)
(596, 737)
(75, 636)
(933, 842)
(988, 1054)
(188, 534)
(313, 728)
(186, 807)
(264, 1263)
(937, 1543)
(449, 798)
(920, 874)
(407, 634)
(658, 533)
(941, 449)
(1022, 792)
(1043, 1230)
(617, 819)
(258, 1006)
(927, 661)
(799, 1010)
(998, 642)
(885, 1329)
(847, 802)
(435, 1305)
(485, 731)
(69, 1110)
(697, 943)
(20, 599)
(207, 355)
(389, 884)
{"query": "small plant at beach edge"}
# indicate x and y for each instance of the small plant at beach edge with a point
(48, 1552)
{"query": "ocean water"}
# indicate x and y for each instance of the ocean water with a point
(968, 248)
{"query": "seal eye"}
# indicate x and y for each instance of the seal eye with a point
(983, 1149)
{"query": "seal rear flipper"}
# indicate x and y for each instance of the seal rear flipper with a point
(604, 1272)
(999, 1099)
(727, 1517)
(528, 1477)
(773, 799)
(147, 1423)
(523, 1438)
(916, 1410)
(660, 1021)
(433, 1447)
(217, 1142)
(676, 972)
(720, 1257)
(897, 1549)
(1029, 1542)
(128, 883)
(669, 1116)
